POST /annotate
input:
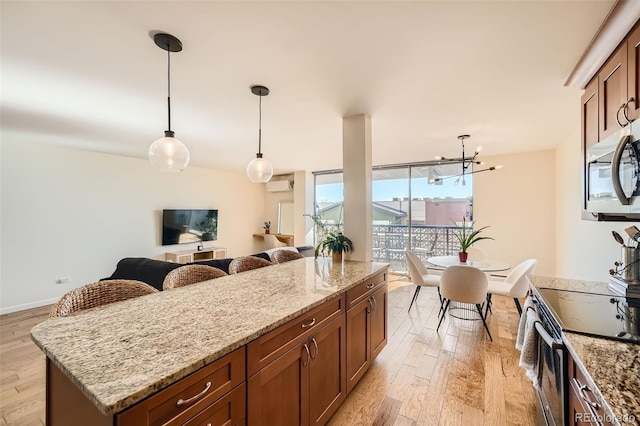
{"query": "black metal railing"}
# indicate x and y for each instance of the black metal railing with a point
(390, 242)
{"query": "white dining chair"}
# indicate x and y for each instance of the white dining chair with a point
(464, 284)
(420, 276)
(516, 284)
(475, 253)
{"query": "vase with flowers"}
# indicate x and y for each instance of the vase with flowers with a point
(466, 236)
(267, 226)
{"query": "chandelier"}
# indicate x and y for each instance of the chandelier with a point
(466, 162)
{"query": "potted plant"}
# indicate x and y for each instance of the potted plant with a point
(334, 243)
(267, 226)
(466, 236)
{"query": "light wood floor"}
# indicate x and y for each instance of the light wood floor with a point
(454, 377)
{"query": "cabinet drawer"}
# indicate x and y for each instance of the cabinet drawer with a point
(270, 346)
(583, 390)
(360, 292)
(228, 410)
(186, 398)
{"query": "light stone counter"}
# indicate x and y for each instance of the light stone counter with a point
(121, 353)
(613, 366)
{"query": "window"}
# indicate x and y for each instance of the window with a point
(415, 206)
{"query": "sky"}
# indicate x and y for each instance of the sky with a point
(386, 190)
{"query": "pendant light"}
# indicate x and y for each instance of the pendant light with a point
(259, 170)
(466, 163)
(168, 154)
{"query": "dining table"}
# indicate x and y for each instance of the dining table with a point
(485, 265)
(463, 310)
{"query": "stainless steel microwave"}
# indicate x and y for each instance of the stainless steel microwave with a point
(613, 175)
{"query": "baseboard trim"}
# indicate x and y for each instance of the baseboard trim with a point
(25, 306)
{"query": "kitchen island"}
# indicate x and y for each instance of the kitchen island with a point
(612, 367)
(122, 354)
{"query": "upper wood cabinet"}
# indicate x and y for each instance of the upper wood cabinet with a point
(612, 91)
(633, 71)
(589, 135)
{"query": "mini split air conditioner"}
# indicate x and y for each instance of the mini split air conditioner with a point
(279, 186)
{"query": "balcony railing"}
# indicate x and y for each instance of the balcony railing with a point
(390, 242)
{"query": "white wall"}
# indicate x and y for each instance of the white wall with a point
(74, 213)
(586, 249)
(518, 202)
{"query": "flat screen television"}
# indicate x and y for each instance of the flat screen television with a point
(189, 226)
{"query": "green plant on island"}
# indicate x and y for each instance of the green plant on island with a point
(334, 243)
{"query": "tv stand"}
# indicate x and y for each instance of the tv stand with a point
(195, 255)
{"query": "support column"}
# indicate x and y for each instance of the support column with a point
(356, 159)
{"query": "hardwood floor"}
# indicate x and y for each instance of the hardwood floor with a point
(454, 377)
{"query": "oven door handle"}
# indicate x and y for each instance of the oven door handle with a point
(547, 337)
(615, 170)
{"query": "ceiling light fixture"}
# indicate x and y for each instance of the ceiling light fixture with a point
(259, 169)
(466, 163)
(168, 154)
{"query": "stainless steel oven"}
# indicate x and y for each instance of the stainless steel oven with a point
(552, 361)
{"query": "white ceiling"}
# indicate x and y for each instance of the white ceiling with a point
(88, 75)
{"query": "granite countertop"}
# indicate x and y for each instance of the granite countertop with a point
(613, 366)
(119, 354)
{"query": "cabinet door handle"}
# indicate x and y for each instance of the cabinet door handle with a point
(375, 302)
(306, 348)
(193, 398)
(624, 111)
(370, 309)
(313, 321)
(370, 286)
(623, 107)
(593, 405)
(315, 344)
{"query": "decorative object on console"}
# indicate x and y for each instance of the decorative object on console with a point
(334, 243)
(259, 170)
(466, 163)
(168, 154)
(267, 226)
(467, 237)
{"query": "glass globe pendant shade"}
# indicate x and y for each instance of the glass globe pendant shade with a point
(259, 170)
(169, 154)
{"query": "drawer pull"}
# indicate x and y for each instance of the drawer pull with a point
(370, 286)
(193, 398)
(313, 321)
(593, 405)
(315, 344)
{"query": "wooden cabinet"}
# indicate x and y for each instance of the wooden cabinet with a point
(198, 395)
(304, 386)
(583, 406)
(633, 71)
(366, 330)
(589, 135)
(213, 395)
(610, 101)
(189, 256)
(612, 92)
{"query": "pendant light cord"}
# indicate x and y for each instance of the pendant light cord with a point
(169, 86)
(260, 127)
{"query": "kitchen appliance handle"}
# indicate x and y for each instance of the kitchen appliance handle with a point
(547, 337)
(615, 170)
